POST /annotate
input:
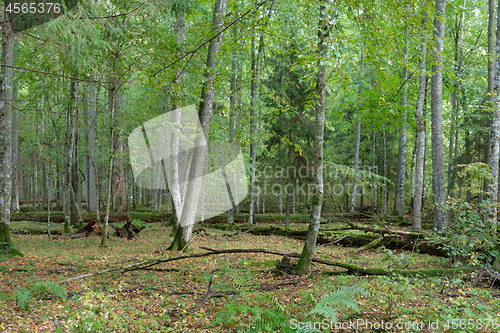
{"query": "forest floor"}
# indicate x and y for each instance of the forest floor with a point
(247, 294)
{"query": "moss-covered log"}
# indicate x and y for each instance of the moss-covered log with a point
(347, 237)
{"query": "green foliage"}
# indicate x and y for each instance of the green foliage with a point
(401, 260)
(97, 314)
(475, 174)
(7, 249)
(277, 317)
(242, 282)
(24, 295)
(342, 298)
(469, 239)
(139, 224)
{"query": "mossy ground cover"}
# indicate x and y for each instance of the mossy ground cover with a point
(167, 297)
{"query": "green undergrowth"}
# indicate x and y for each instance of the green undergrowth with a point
(167, 297)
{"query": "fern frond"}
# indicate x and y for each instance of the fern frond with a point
(326, 312)
(275, 303)
(56, 289)
(23, 296)
(345, 296)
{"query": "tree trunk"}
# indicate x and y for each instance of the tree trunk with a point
(440, 217)
(491, 48)
(374, 163)
(6, 134)
(198, 162)
(91, 152)
(232, 105)
(71, 169)
(104, 235)
(14, 206)
(455, 105)
(385, 170)
(358, 137)
(356, 164)
(307, 254)
(495, 135)
(254, 91)
(280, 193)
(118, 180)
(400, 184)
(420, 131)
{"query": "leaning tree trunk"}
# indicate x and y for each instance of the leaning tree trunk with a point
(193, 190)
(440, 217)
(420, 135)
(307, 254)
(6, 134)
(495, 136)
(400, 184)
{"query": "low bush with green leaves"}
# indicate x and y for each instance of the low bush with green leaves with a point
(24, 295)
(469, 238)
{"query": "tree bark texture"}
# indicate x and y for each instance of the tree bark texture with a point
(440, 222)
(6, 133)
(420, 135)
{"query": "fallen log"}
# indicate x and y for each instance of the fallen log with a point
(353, 269)
(79, 235)
(399, 241)
(90, 228)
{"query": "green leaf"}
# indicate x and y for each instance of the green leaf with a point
(23, 296)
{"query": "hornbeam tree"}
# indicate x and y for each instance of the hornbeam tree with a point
(193, 189)
(307, 255)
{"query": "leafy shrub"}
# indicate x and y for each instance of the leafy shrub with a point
(469, 239)
(98, 311)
